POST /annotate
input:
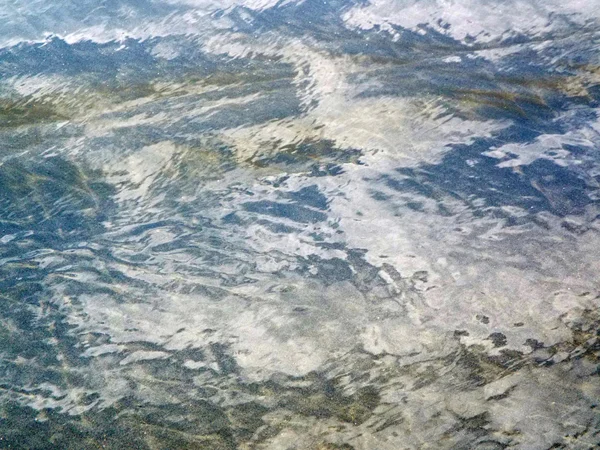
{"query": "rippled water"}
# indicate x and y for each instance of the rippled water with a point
(287, 224)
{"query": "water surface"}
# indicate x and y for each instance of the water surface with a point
(262, 224)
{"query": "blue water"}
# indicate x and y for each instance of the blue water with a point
(261, 224)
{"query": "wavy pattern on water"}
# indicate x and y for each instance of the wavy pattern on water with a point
(299, 224)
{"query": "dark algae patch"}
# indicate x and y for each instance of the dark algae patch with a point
(28, 112)
(330, 401)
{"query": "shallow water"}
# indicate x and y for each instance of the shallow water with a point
(262, 224)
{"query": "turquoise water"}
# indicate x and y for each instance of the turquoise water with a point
(261, 224)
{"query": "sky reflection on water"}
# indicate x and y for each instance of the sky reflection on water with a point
(261, 224)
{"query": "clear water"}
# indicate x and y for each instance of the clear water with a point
(262, 224)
